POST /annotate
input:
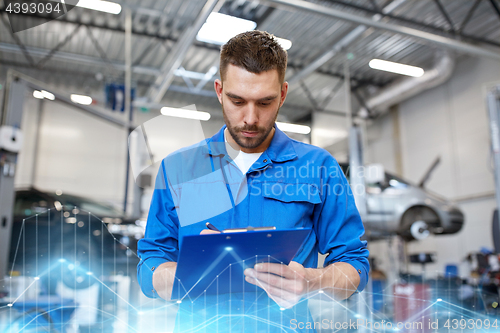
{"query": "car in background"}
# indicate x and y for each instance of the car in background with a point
(76, 240)
(395, 206)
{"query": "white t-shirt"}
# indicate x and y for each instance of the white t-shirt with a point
(243, 160)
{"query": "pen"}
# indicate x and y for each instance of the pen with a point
(211, 227)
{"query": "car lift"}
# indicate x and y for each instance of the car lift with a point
(493, 102)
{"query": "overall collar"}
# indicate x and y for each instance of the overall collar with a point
(280, 150)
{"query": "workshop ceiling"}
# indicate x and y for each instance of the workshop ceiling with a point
(84, 43)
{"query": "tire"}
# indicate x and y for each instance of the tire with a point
(419, 230)
(417, 223)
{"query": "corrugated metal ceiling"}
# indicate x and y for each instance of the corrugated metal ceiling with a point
(157, 25)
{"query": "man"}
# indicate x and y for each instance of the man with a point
(271, 180)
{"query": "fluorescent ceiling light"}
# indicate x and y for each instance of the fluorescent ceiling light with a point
(183, 113)
(394, 67)
(100, 5)
(293, 128)
(38, 94)
(285, 43)
(81, 99)
(219, 28)
(48, 95)
(43, 94)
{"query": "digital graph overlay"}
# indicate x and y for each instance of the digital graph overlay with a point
(86, 268)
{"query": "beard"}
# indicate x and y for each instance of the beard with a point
(246, 142)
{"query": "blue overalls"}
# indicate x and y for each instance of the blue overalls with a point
(291, 185)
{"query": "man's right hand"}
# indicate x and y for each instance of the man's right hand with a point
(163, 279)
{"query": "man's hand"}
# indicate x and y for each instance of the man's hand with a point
(163, 279)
(284, 284)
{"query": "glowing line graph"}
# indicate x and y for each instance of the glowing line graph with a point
(37, 278)
(23, 226)
(239, 261)
(17, 247)
(213, 319)
(386, 292)
(209, 269)
(53, 266)
(216, 318)
(41, 313)
(24, 291)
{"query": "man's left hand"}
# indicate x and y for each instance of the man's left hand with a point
(284, 284)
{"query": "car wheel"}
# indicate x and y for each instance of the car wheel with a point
(419, 230)
(417, 223)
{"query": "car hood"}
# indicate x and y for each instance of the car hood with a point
(437, 200)
(436, 197)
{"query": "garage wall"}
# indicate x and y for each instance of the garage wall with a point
(79, 153)
(25, 158)
(449, 121)
(381, 143)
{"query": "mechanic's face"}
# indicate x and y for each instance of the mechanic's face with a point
(250, 104)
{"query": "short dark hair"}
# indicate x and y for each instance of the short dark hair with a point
(255, 51)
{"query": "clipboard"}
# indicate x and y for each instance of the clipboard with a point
(213, 264)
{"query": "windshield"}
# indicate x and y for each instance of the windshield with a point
(395, 181)
(94, 207)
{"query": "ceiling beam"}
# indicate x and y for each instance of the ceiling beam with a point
(18, 41)
(144, 69)
(304, 111)
(423, 25)
(495, 7)
(469, 15)
(445, 15)
(178, 52)
(93, 61)
(63, 97)
(445, 42)
(118, 28)
(74, 58)
(339, 46)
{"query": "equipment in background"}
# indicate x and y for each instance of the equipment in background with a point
(115, 96)
(390, 205)
(422, 259)
(72, 260)
(483, 264)
(44, 314)
(413, 295)
(379, 281)
(496, 231)
(396, 206)
(493, 102)
(483, 281)
(409, 299)
(10, 138)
